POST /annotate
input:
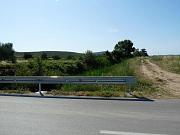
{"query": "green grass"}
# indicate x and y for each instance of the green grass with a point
(130, 67)
(122, 69)
(169, 63)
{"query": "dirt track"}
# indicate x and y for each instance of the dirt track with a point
(166, 80)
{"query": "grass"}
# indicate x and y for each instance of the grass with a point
(18, 91)
(122, 69)
(144, 87)
(169, 63)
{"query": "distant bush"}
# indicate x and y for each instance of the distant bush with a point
(56, 57)
(70, 57)
(140, 53)
(89, 60)
(7, 70)
(44, 56)
(27, 55)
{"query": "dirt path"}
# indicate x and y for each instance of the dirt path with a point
(166, 80)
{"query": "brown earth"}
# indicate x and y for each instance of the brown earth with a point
(169, 82)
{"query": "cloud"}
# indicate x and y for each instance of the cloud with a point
(113, 30)
(57, 0)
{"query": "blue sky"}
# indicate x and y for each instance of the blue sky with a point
(97, 25)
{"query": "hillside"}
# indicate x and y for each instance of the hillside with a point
(49, 53)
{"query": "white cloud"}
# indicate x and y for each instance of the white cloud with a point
(57, 0)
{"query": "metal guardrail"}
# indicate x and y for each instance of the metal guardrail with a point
(127, 80)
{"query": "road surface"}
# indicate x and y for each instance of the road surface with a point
(56, 116)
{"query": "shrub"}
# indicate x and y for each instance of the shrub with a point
(27, 55)
(89, 60)
(56, 57)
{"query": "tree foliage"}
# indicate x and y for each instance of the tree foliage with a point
(7, 52)
(140, 53)
(123, 49)
(109, 57)
(144, 52)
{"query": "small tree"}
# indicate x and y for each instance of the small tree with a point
(137, 53)
(144, 52)
(109, 56)
(7, 52)
(123, 49)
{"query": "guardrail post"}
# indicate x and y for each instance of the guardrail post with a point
(39, 88)
(129, 90)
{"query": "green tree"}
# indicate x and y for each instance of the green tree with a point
(137, 53)
(7, 52)
(109, 56)
(144, 52)
(123, 49)
(140, 53)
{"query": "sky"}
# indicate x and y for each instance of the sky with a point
(97, 25)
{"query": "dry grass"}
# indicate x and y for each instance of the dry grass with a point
(145, 86)
(169, 63)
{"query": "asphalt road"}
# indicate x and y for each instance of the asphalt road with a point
(56, 116)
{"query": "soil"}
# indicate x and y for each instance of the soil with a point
(168, 81)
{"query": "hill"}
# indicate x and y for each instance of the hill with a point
(49, 53)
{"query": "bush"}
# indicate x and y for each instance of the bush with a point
(7, 70)
(56, 57)
(89, 60)
(44, 56)
(102, 61)
(27, 56)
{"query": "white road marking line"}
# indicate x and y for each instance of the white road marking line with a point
(125, 133)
